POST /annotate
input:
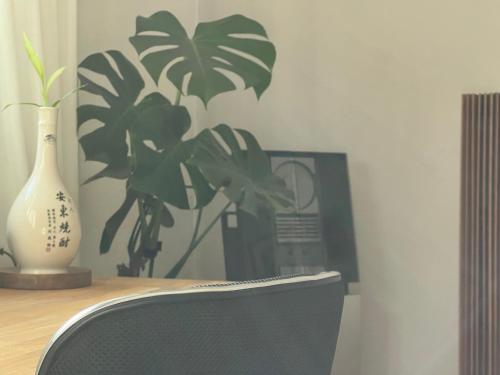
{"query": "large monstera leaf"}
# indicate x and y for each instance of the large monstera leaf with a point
(244, 175)
(152, 169)
(107, 144)
(158, 165)
(234, 44)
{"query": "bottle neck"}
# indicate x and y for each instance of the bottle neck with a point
(46, 156)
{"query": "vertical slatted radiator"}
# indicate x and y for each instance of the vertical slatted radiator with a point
(479, 236)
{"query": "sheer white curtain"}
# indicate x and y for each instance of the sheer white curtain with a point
(51, 26)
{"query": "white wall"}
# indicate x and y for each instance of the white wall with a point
(380, 80)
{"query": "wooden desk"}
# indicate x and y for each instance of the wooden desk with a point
(29, 318)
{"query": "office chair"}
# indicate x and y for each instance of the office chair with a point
(273, 326)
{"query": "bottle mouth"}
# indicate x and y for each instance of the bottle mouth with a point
(47, 115)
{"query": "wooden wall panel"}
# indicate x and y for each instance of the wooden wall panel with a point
(479, 236)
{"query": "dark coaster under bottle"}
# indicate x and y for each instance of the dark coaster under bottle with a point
(76, 277)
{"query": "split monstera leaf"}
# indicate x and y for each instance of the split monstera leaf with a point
(143, 136)
(234, 44)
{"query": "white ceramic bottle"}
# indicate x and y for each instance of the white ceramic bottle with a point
(43, 226)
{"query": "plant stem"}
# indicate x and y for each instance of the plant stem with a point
(151, 267)
(9, 255)
(132, 242)
(196, 227)
(133, 155)
(137, 256)
(195, 242)
(210, 226)
(142, 218)
(155, 223)
(153, 234)
(178, 97)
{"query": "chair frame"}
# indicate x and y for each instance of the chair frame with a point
(94, 311)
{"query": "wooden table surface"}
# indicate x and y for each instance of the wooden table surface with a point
(29, 318)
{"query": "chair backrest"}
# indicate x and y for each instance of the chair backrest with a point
(274, 326)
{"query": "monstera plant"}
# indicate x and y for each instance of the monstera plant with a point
(142, 137)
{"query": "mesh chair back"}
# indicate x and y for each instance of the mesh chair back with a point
(282, 326)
